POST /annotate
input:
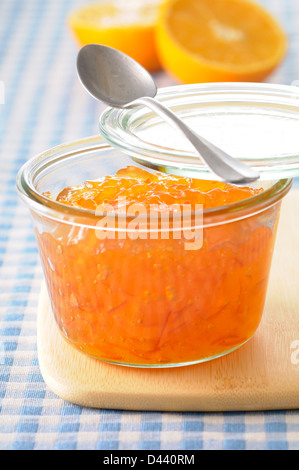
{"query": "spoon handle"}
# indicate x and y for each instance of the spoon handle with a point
(224, 166)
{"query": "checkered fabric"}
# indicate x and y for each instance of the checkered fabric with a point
(42, 105)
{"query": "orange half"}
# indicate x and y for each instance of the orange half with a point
(124, 25)
(218, 40)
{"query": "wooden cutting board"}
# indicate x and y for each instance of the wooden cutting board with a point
(263, 374)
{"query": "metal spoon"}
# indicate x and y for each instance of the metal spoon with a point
(119, 81)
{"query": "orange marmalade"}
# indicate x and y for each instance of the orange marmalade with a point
(149, 301)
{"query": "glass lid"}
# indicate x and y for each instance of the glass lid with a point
(256, 123)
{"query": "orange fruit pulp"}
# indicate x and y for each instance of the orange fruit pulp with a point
(122, 25)
(218, 40)
(150, 301)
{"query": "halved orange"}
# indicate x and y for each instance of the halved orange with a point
(124, 25)
(218, 40)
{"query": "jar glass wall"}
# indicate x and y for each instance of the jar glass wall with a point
(133, 295)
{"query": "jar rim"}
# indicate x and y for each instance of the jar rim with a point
(54, 209)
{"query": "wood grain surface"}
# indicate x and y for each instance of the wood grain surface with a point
(262, 374)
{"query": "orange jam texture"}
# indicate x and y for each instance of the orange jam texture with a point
(159, 191)
(151, 301)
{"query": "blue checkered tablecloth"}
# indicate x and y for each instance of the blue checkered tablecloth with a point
(44, 105)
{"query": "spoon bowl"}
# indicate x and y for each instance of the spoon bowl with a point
(119, 81)
(113, 77)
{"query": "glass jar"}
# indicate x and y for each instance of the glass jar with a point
(126, 297)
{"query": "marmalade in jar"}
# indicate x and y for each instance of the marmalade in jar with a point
(149, 301)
